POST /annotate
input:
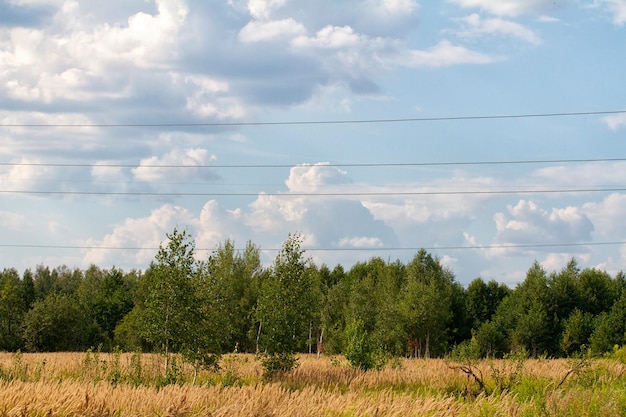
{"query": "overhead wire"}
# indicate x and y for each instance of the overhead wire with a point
(337, 249)
(312, 194)
(316, 122)
(343, 165)
(323, 122)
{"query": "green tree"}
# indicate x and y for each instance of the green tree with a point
(235, 276)
(13, 306)
(333, 323)
(489, 340)
(596, 290)
(577, 329)
(529, 315)
(167, 317)
(564, 290)
(287, 303)
(610, 328)
(359, 350)
(45, 282)
(483, 299)
(28, 288)
(428, 285)
(106, 299)
(56, 323)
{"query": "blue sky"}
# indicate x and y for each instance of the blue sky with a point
(80, 184)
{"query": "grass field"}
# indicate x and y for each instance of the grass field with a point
(99, 384)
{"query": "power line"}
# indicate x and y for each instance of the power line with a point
(317, 122)
(325, 194)
(343, 165)
(338, 249)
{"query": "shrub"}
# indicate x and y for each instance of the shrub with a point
(278, 363)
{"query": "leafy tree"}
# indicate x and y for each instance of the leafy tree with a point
(337, 298)
(359, 351)
(389, 333)
(106, 299)
(577, 329)
(533, 330)
(67, 280)
(287, 303)
(56, 323)
(564, 290)
(483, 299)
(489, 340)
(610, 328)
(597, 291)
(28, 288)
(13, 306)
(235, 277)
(44, 282)
(428, 285)
(528, 315)
(167, 318)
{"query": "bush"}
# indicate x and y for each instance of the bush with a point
(359, 350)
(278, 363)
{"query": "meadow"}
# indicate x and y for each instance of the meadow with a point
(124, 384)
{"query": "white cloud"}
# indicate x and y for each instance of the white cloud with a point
(306, 178)
(615, 121)
(528, 223)
(429, 206)
(179, 164)
(263, 9)
(475, 26)
(12, 221)
(329, 37)
(216, 225)
(256, 31)
(512, 7)
(616, 7)
(360, 242)
(581, 176)
(608, 216)
(207, 97)
(442, 55)
(557, 261)
(136, 240)
(73, 57)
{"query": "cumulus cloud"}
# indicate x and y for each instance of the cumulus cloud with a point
(386, 18)
(584, 175)
(444, 54)
(256, 31)
(73, 58)
(136, 240)
(12, 221)
(615, 121)
(306, 178)
(329, 37)
(528, 223)
(177, 164)
(616, 7)
(360, 242)
(475, 26)
(512, 7)
(30, 175)
(608, 216)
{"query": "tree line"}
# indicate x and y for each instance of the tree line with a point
(376, 309)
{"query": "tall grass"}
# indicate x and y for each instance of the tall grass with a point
(122, 384)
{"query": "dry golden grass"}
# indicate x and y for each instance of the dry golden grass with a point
(68, 385)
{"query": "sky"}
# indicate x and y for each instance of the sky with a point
(491, 133)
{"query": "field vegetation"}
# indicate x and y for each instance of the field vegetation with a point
(227, 336)
(132, 384)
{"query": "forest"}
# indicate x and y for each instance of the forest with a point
(375, 310)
